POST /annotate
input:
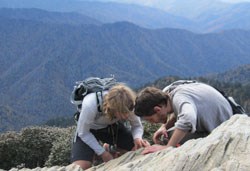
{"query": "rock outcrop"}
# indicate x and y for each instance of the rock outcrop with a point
(226, 148)
(71, 167)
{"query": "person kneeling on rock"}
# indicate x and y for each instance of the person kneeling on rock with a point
(94, 126)
(189, 110)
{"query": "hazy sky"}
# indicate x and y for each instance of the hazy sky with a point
(162, 3)
(235, 1)
(148, 2)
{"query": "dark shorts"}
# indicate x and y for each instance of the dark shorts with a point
(114, 133)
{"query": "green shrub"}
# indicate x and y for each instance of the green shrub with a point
(37, 142)
(60, 151)
(149, 130)
(43, 146)
(35, 146)
(10, 153)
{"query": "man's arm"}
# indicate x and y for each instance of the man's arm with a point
(163, 129)
(177, 136)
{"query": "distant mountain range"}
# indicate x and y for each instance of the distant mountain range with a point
(72, 18)
(193, 15)
(42, 55)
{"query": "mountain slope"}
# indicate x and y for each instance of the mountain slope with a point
(108, 12)
(47, 17)
(41, 61)
(238, 75)
(194, 15)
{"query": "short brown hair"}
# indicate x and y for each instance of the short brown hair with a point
(147, 99)
(120, 98)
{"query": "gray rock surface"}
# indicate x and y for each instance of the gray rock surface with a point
(227, 148)
(71, 167)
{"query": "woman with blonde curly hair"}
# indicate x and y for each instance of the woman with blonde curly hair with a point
(94, 126)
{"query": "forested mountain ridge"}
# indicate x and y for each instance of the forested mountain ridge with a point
(196, 16)
(39, 15)
(238, 75)
(106, 12)
(40, 61)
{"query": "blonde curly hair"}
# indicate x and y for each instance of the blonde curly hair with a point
(119, 99)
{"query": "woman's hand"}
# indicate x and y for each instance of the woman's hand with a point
(106, 156)
(162, 131)
(140, 143)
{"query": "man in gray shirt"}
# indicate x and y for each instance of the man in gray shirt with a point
(192, 110)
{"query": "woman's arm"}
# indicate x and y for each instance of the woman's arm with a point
(86, 119)
(136, 126)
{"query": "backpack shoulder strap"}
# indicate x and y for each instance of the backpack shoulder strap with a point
(99, 99)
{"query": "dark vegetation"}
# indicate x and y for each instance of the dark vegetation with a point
(35, 147)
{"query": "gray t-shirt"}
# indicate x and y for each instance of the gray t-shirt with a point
(199, 107)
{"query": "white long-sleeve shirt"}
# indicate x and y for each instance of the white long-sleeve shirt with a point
(199, 107)
(90, 118)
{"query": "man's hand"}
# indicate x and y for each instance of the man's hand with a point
(106, 156)
(152, 149)
(162, 131)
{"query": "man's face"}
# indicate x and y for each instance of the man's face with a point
(159, 116)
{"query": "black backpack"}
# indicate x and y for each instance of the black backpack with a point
(90, 85)
(237, 109)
